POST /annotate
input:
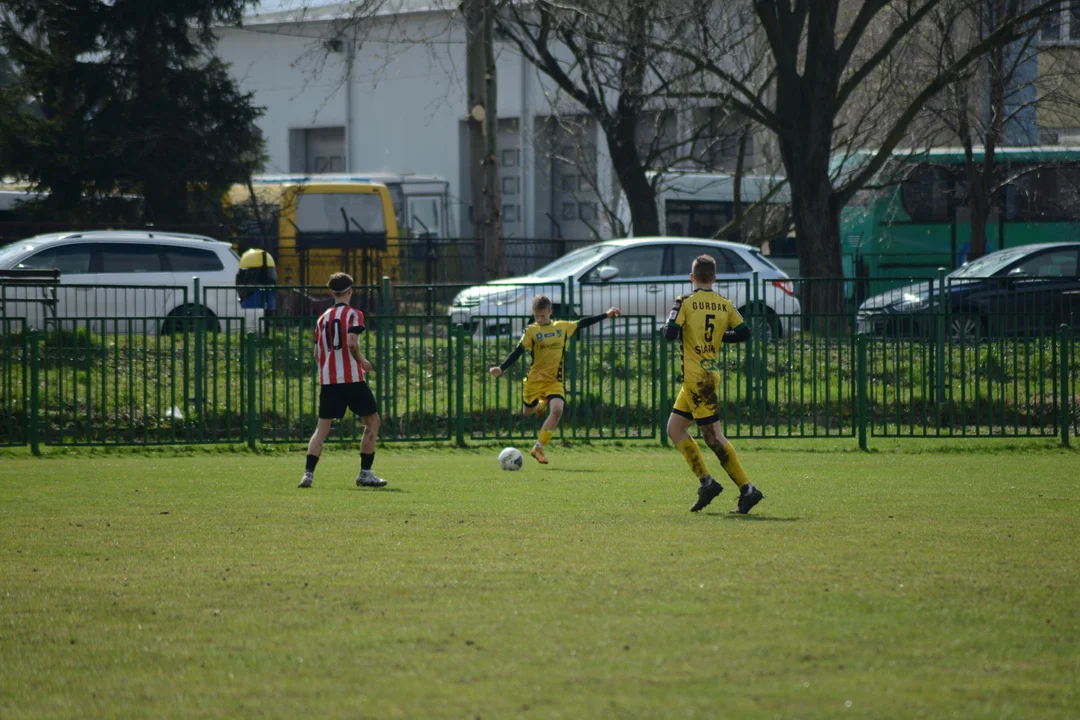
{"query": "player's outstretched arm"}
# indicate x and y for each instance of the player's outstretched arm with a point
(737, 335)
(611, 313)
(509, 361)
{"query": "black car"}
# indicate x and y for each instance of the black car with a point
(1018, 292)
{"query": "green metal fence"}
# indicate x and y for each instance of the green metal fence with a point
(107, 380)
(104, 383)
(991, 385)
(14, 359)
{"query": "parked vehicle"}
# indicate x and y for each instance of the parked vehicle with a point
(1018, 292)
(122, 279)
(914, 216)
(642, 276)
(318, 225)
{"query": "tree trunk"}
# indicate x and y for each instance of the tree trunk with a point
(483, 133)
(982, 180)
(980, 213)
(818, 242)
(735, 233)
(808, 103)
(640, 194)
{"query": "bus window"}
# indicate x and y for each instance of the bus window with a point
(326, 212)
(924, 193)
(1046, 193)
(423, 220)
(697, 219)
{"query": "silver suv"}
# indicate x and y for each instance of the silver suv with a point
(121, 280)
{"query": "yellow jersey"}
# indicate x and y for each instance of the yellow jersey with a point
(703, 316)
(546, 344)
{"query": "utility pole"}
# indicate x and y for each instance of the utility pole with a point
(483, 132)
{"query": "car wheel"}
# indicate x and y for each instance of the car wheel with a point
(966, 327)
(763, 322)
(183, 318)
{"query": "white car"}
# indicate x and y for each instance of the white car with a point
(640, 276)
(122, 280)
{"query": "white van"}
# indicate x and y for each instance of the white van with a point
(122, 281)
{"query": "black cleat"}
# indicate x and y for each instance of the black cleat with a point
(749, 500)
(705, 495)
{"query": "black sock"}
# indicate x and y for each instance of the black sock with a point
(366, 460)
(312, 460)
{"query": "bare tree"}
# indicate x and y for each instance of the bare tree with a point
(607, 59)
(483, 125)
(981, 107)
(827, 59)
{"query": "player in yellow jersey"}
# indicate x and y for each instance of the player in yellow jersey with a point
(546, 340)
(704, 319)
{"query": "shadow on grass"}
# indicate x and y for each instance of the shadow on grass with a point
(346, 488)
(732, 515)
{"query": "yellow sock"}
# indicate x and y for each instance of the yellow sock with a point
(730, 460)
(692, 454)
(544, 437)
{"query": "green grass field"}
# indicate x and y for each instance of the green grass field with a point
(935, 581)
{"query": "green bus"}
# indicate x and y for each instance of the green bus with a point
(914, 217)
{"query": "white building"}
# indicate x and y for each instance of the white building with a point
(400, 109)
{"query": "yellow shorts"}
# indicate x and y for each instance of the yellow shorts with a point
(698, 402)
(532, 392)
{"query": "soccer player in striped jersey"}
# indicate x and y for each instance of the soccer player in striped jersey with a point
(545, 340)
(704, 319)
(343, 371)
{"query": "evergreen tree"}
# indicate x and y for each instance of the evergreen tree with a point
(123, 97)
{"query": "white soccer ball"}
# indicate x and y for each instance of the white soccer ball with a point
(511, 459)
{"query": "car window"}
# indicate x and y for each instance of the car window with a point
(16, 248)
(738, 265)
(572, 262)
(639, 262)
(1054, 264)
(130, 258)
(68, 259)
(185, 259)
(684, 259)
(988, 265)
(763, 260)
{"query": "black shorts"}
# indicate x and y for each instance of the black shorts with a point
(357, 396)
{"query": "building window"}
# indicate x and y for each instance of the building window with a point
(317, 150)
(1062, 26)
(510, 214)
(509, 158)
(569, 211)
(1059, 136)
(329, 164)
(510, 186)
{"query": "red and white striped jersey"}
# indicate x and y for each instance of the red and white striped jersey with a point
(336, 363)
